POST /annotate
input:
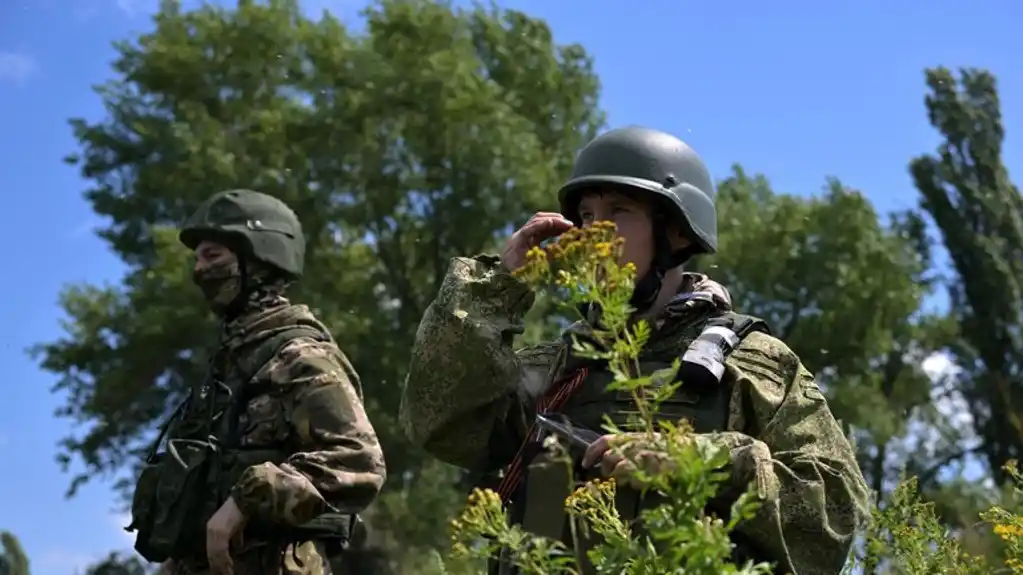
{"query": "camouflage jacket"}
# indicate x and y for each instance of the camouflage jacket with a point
(465, 388)
(302, 405)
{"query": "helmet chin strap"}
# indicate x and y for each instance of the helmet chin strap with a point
(665, 259)
(647, 287)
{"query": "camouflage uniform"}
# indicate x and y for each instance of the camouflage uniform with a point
(469, 399)
(278, 424)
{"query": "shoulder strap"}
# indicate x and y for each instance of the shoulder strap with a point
(182, 406)
(154, 447)
(740, 324)
(261, 355)
(703, 362)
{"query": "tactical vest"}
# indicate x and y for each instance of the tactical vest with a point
(180, 488)
(537, 504)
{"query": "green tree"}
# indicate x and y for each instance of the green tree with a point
(966, 190)
(430, 135)
(843, 288)
(119, 564)
(13, 560)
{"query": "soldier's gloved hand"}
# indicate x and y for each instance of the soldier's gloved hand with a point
(542, 226)
(619, 455)
(225, 524)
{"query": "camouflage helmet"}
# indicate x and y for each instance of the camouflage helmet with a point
(256, 225)
(650, 162)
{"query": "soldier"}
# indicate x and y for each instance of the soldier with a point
(271, 457)
(470, 400)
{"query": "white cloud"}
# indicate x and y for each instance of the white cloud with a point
(129, 7)
(84, 12)
(945, 393)
(58, 560)
(937, 365)
(119, 522)
(84, 229)
(16, 67)
(63, 560)
(929, 438)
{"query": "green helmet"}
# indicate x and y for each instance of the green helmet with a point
(649, 161)
(259, 226)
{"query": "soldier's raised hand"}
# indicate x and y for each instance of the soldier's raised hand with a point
(542, 226)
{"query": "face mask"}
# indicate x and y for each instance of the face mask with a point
(220, 284)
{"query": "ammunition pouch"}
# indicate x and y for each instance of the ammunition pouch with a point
(180, 489)
(337, 531)
(168, 508)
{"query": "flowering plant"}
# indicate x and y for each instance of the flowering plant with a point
(679, 536)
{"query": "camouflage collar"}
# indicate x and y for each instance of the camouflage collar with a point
(698, 288)
(261, 323)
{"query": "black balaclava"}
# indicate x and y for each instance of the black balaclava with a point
(235, 288)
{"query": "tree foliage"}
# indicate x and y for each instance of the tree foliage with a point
(116, 563)
(13, 560)
(428, 136)
(965, 188)
(433, 133)
(843, 288)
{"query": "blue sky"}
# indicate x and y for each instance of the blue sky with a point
(798, 90)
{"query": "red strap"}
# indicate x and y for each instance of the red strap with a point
(553, 399)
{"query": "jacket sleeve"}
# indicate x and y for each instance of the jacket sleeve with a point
(338, 465)
(813, 497)
(460, 400)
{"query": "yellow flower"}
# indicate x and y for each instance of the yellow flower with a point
(492, 498)
(1008, 532)
(460, 550)
(590, 493)
(564, 279)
